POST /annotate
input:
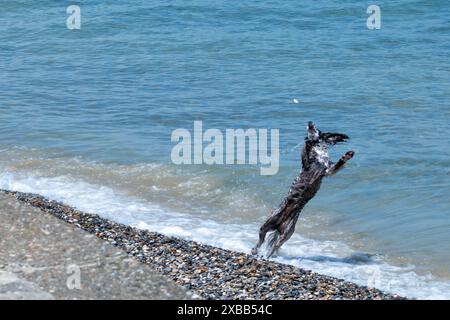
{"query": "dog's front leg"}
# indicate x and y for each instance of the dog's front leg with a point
(336, 167)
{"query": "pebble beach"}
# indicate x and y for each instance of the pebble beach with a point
(205, 271)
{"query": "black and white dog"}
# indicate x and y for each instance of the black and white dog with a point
(315, 166)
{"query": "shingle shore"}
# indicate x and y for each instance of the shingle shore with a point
(210, 272)
(42, 257)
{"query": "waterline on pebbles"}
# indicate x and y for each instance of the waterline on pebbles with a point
(210, 272)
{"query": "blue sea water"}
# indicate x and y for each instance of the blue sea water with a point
(86, 117)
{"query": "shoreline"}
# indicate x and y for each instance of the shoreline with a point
(207, 271)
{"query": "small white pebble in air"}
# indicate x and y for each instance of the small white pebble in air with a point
(295, 100)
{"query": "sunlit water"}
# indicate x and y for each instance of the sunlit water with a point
(86, 118)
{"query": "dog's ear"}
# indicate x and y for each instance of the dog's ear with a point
(333, 138)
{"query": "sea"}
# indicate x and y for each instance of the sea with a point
(87, 115)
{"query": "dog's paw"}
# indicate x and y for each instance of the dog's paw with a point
(348, 155)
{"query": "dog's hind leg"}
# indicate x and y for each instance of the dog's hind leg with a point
(273, 239)
(278, 242)
(269, 225)
(283, 237)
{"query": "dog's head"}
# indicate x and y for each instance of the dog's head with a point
(313, 134)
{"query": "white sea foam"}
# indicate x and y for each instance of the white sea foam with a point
(326, 257)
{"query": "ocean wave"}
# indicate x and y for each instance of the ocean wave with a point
(332, 258)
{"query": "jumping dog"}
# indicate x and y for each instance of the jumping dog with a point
(315, 166)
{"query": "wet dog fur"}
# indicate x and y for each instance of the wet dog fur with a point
(315, 166)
